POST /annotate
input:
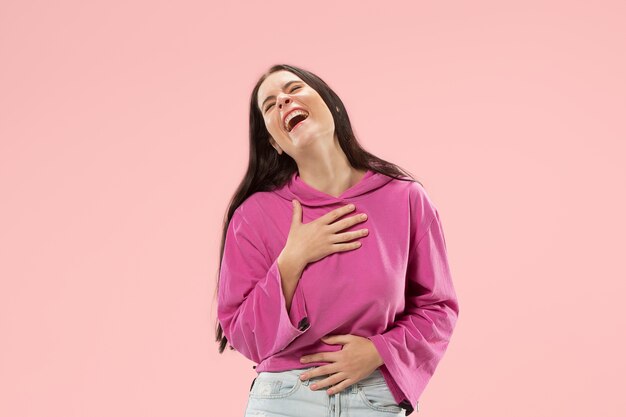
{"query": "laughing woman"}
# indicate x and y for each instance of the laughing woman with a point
(333, 277)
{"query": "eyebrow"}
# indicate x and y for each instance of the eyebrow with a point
(287, 84)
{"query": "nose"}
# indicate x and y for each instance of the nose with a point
(283, 100)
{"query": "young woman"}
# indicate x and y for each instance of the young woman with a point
(339, 311)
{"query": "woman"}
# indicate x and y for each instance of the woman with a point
(338, 311)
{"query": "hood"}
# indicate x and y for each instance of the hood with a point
(295, 188)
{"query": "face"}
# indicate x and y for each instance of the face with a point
(283, 91)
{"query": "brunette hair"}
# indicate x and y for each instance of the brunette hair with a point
(268, 170)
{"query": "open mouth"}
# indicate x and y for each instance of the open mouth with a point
(296, 121)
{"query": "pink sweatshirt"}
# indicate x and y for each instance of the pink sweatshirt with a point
(396, 289)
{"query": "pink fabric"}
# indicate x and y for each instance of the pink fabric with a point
(396, 289)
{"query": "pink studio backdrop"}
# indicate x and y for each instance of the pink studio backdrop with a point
(123, 134)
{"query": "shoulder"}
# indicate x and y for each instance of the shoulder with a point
(415, 192)
(251, 216)
(256, 206)
(423, 210)
(246, 228)
(420, 197)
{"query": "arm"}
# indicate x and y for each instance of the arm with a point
(413, 346)
(252, 306)
(290, 272)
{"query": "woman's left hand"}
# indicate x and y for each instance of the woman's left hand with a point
(356, 360)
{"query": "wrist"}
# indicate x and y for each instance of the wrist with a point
(291, 262)
(378, 359)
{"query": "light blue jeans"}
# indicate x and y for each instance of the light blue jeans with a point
(275, 394)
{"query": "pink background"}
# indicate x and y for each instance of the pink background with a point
(123, 133)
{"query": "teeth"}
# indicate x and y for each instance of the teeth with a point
(291, 116)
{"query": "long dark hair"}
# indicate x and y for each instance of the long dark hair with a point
(268, 170)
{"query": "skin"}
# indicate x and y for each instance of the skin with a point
(314, 146)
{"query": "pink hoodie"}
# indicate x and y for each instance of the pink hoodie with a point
(396, 289)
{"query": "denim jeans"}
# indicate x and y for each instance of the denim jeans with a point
(283, 394)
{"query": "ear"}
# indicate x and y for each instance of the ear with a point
(275, 145)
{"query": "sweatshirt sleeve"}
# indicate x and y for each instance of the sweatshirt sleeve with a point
(414, 344)
(252, 309)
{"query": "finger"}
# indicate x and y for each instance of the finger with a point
(343, 247)
(333, 215)
(316, 370)
(296, 218)
(326, 382)
(347, 222)
(339, 387)
(328, 357)
(346, 236)
(334, 339)
(313, 358)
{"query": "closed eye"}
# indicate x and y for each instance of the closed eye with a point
(292, 90)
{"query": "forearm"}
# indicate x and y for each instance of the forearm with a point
(290, 271)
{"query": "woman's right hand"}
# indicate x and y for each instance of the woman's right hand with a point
(313, 241)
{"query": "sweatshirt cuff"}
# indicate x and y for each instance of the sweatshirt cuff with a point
(383, 350)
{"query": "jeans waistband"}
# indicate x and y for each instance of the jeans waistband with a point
(376, 377)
